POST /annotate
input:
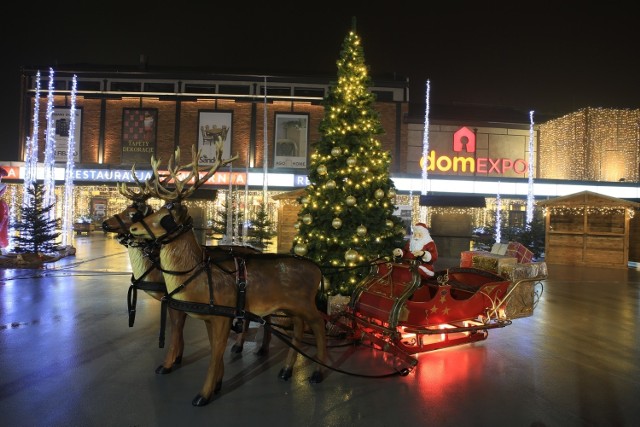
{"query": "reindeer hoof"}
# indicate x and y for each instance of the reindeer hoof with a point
(262, 352)
(316, 378)
(162, 370)
(237, 349)
(199, 401)
(285, 374)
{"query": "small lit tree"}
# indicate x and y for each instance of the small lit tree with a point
(36, 228)
(262, 229)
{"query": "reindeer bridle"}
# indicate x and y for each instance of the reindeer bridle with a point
(172, 228)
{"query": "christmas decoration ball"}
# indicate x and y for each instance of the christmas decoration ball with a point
(331, 184)
(351, 161)
(379, 193)
(322, 170)
(296, 225)
(389, 223)
(307, 219)
(300, 249)
(351, 201)
(305, 200)
(336, 223)
(361, 230)
(392, 193)
(336, 151)
(351, 255)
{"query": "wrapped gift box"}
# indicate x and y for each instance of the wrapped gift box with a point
(531, 270)
(466, 258)
(522, 300)
(491, 262)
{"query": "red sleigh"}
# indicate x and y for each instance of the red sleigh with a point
(401, 313)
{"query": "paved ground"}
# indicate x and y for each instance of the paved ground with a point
(68, 358)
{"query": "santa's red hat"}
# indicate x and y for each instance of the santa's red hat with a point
(421, 224)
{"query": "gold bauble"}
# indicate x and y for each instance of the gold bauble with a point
(296, 225)
(322, 170)
(336, 223)
(300, 249)
(392, 193)
(351, 255)
(389, 223)
(305, 200)
(307, 219)
(351, 201)
(379, 193)
(336, 151)
(330, 185)
(351, 161)
(361, 230)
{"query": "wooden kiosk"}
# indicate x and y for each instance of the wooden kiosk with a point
(588, 228)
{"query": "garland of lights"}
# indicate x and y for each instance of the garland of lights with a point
(498, 209)
(425, 151)
(32, 146)
(570, 147)
(49, 151)
(67, 218)
(530, 197)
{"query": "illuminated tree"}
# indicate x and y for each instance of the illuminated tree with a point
(347, 219)
(262, 229)
(37, 229)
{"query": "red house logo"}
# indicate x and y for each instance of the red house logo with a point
(464, 137)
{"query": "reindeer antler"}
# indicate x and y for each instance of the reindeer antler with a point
(174, 167)
(140, 195)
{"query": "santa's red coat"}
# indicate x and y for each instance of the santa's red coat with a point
(430, 248)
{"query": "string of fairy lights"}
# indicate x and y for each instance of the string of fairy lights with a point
(592, 144)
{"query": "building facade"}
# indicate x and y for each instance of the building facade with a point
(122, 118)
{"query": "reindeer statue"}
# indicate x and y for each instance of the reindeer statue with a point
(217, 289)
(147, 275)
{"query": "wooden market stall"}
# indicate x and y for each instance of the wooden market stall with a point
(588, 228)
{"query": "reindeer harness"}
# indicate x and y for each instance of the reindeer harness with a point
(210, 257)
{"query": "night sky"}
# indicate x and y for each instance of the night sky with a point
(550, 59)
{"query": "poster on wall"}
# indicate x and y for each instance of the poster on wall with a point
(405, 212)
(214, 127)
(98, 208)
(291, 135)
(62, 121)
(139, 130)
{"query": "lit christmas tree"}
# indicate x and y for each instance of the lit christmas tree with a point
(347, 219)
(37, 230)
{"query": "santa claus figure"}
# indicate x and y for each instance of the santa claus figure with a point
(421, 247)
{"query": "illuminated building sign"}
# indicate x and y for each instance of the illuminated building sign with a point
(464, 141)
(123, 175)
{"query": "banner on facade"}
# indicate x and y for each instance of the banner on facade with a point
(291, 135)
(62, 124)
(139, 130)
(214, 127)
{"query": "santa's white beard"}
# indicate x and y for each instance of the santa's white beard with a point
(417, 245)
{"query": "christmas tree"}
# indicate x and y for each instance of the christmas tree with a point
(228, 221)
(37, 229)
(262, 229)
(347, 219)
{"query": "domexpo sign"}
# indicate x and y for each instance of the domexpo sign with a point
(464, 142)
